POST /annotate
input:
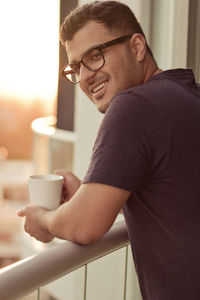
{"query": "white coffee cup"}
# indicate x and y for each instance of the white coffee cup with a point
(45, 190)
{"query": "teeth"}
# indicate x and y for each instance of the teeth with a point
(99, 87)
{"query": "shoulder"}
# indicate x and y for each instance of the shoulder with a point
(154, 88)
(132, 104)
(152, 97)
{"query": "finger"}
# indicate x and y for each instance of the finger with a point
(26, 228)
(60, 172)
(21, 212)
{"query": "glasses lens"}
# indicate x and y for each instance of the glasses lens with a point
(70, 74)
(93, 59)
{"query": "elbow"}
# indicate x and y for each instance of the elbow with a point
(86, 235)
(86, 238)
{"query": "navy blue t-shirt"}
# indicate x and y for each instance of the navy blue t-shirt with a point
(149, 143)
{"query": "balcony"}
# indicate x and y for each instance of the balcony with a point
(50, 264)
(63, 270)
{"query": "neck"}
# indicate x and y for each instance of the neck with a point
(150, 68)
(157, 71)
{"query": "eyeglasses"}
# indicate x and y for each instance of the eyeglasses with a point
(93, 60)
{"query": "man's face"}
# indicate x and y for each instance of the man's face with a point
(120, 71)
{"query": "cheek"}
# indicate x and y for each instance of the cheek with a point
(122, 77)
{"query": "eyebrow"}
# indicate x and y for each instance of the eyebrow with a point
(75, 62)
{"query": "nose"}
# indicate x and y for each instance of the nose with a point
(85, 74)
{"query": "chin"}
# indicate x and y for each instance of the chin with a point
(102, 111)
(102, 108)
(103, 104)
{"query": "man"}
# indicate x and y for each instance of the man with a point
(145, 159)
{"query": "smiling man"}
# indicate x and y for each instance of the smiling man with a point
(146, 156)
(91, 49)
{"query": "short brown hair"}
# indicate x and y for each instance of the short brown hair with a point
(112, 14)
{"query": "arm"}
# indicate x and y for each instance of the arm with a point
(89, 214)
(85, 218)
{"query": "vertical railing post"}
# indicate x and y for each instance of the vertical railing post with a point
(85, 282)
(126, 272)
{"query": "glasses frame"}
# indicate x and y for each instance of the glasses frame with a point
(100, 48)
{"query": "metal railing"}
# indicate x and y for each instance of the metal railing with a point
(27, 275)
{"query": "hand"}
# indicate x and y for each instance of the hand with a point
(34, 224)
(70, 186)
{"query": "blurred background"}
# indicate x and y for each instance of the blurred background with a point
(46, 123)
(29, 71)
(30, 59)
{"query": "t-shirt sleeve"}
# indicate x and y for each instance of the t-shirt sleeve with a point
(129, 145)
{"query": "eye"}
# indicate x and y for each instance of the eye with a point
(95, 56)
(92, 56)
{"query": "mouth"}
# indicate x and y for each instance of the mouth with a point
(99, 89)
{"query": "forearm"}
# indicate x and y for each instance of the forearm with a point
(84, 219)
(62, 224)
(76, 221)
(88, 215)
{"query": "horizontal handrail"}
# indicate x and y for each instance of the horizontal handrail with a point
(25, 276)
(44, 126)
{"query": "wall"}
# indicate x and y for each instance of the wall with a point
(169, 32)
(193, 57)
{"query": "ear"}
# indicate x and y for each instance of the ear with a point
(138, 46)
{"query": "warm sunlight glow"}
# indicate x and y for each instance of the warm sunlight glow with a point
(44, 125)
(29, 49)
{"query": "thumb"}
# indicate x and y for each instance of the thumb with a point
(21, 212)
(61, 172)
